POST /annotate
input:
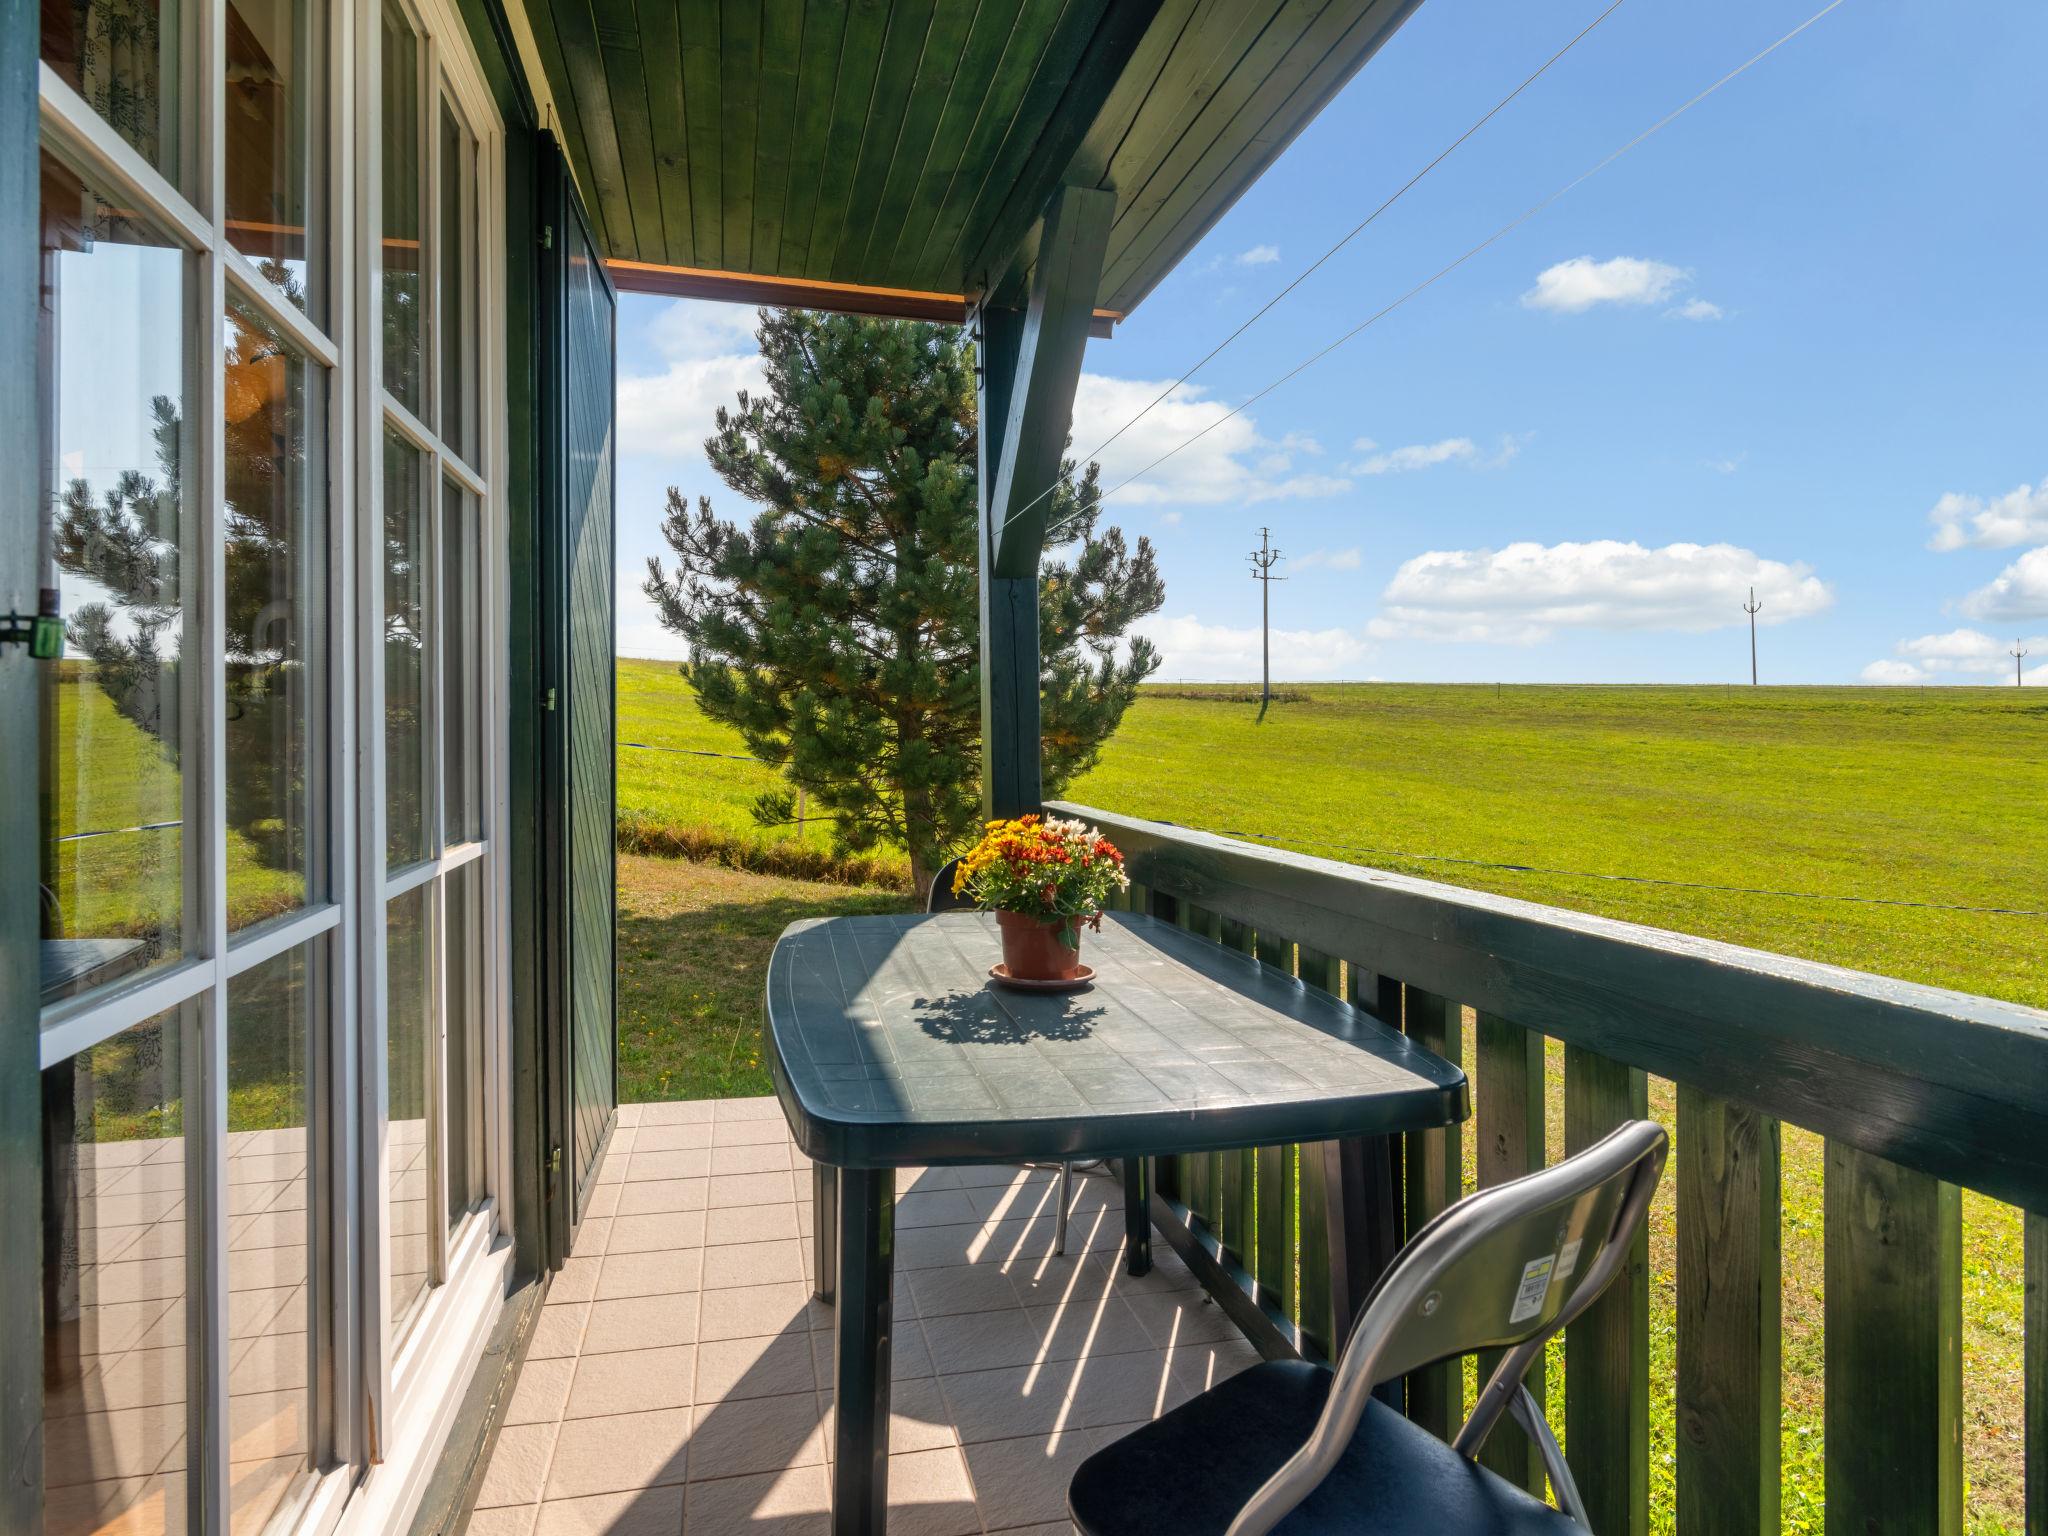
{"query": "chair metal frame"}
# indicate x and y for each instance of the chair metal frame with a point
(1418, 1314)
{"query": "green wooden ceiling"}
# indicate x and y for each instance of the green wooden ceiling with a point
(912, 143)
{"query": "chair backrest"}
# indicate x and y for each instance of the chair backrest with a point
(940, 897)
(1502, 1269)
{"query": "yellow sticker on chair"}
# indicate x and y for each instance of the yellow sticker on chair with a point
(1534, 1287)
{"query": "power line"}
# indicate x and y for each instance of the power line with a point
(1446, 270)
(1313, 267)
(734, 757)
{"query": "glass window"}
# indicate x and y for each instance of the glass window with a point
(124, 58)
(116, 737)
(269, 113)
(408, 1169)
(461, 665)
(457, 338)
(462, 1024)
(114, 1244)
(268, 1157)
(276, 591)
(405, 661)
(404, 190)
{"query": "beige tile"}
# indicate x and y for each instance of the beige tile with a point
(764, 1157)
(603, 1200)
(519, 1465)
(918, 1420)
(620, 1454)
(559, 1333)
(1198, 1367)
(964, 1288)
(1088, 1328)
(982, 1175)
(575, 1281)
(1050, 1279)
(758, 1434)
(659, 1229)
(981, 1343)
(1177, 1318)
(748, 1311)
(908, 1357)
(745, 1133)
(753, 1264)
(1024, 1481)
(795, 1502)
(935, 1208)
(1168, 1273)
(751, 1223)
(506, 1520)
(772, 1365)
(592, 1235)
(655, 1195)
(632, 1381)
(930, 1494)
(641, 1322)
(690, 1164)
(678, 1112)
(1060, 1394)
(663, 1271)
(752, 1189)
(766, 1107)
(645, 1512)
(541, 1392)
(673, 1138)
(629, 1114)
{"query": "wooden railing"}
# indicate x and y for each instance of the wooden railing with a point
(1918, 1093)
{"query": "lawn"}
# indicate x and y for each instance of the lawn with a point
(1843, 825)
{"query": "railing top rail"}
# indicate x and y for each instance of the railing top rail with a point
(1948, 1082)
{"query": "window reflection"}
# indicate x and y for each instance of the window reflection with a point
(122, 57)
(405, 762)
(457, 337)
(463, 1029)
(408, 1168)
(274, 535)
(403, 189)
(268, 114)
(114, 311)
(114, 1317)
(461, 666)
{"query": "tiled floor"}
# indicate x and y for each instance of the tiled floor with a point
(680, 1380)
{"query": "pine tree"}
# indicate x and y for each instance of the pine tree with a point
(838, 630)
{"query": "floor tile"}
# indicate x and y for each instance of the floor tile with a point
(761, 1434)
(632, 1381)
(519, 1465)
(663, 1271)
(750, 1311)
(559, 1333)
(753, 1264)
(678, 1112)
(762, 1157)
(541, 1392)
(772, 1365)
(752, 1189)
(656, 1229)
(645, 1512)
(641, 1322)
(794, 1502)
(750, 1224)
(748, 1133)
(673, 1138)
(1024, 1481)
(687, 1164)
(930, 1494)
(651, 1196)
(507, 1520)
(620, 1454)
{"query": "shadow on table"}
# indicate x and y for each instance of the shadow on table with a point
(975, 1018)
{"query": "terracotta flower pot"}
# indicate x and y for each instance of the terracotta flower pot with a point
(1033, 949)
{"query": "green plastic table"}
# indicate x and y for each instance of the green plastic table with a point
(890, 1048)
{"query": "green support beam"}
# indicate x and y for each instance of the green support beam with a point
(1030, 364)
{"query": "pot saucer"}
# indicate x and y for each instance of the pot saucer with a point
(1000, 974)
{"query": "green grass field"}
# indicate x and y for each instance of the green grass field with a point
(1938, 798)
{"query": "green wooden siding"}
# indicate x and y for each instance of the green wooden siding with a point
(913, 143)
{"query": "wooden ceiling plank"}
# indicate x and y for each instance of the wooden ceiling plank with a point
(817, 77)
(1159, 60)
(704, 123)
(1282, 110)
(939, 70)
(661, 34)
(896, 81)
(563, 32)
(739, 53)
(1217, 40)
(1024, 51)
(620, 47)
(782, 35)
(860, 59)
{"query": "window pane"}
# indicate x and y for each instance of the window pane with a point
(276, 592)
(458, 327)
(461, 664)
(403, 192)
(407, 1168)
(114, 1234)
(270, 1043)
(122, 56)
(463, 1023)
(115, 317)
(405, 746)
(270, 101)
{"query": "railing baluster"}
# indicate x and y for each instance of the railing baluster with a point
(1607, 1351)
(1728, 1317)
(1236, 1179)
(2036, 1412)
(1314, 1294)
(1509, 1070)
(1432, 1164)
(1272, 1173)
(1894, 1410)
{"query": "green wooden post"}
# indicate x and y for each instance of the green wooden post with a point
(1728, 1316)
(1509, 1069)
(1894, 1329)
(1312, 1237)
(1607, 1351)
(1030, 364)
(1235, 1172)
(1431, 1162)
(2036, 1418)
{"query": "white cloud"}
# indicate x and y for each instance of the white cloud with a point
(1232, 462)
(1329, 560)
(1258, 256)
(1414, 456)
(1961, 655)
(1729, 464)
(1169, 519)
(1523, 593)
(1697, 309)
(709, 356)
(1575, 286)
(2020, 591)
(1196, 652)
(2018, 517)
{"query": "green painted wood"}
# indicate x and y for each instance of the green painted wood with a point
(1894, 1324)
(554, 64)
(2036, 1420)
(824, 28)
(704, 126)
(661, 34)
(1432, 1175)
(903, 60)
(1728, 1417)
(1939, 1080)
(1607, 1350)
(782, 28)
(860, 58)
(584, 92)
(943, 50)
(1508, 1072)
(740, 65)
(1314, 1306)
(623, 48)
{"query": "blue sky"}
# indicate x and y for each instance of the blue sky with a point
(1794, 341)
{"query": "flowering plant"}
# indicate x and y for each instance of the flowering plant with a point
(1046, 868)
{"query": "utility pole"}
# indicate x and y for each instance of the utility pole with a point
(1263, 559)
(2019, 678)
(1752, 608)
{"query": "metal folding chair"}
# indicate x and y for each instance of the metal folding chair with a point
(1298, 1448)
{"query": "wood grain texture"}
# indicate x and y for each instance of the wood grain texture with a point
(1432, 1168)
(1894, 1328)
(1508, 1070)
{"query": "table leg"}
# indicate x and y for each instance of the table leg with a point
(860, 1434)
(1138, 1215)
(825, 1228)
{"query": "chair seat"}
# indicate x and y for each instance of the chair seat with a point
(1190, 1472)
